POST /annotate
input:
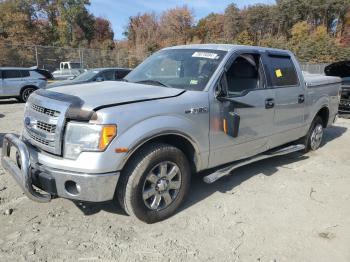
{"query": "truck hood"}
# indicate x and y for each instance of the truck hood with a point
(96, 96)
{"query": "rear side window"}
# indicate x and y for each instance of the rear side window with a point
(12, 74)
(282, 71)
(25, 73)
(15, 73)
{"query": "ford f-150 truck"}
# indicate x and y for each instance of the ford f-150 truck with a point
(184, 110)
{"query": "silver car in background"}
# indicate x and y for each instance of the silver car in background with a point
(20, 82)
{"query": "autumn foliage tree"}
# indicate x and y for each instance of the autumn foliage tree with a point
(52, 22)
(315, 30)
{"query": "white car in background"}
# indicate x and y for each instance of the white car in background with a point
(20, 82)
(68, 70)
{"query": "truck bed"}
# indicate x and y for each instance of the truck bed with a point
(313, 80)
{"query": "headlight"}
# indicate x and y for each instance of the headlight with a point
(87, 137)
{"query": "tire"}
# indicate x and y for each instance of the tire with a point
(154, 183)
(313, 139)
(25, 93)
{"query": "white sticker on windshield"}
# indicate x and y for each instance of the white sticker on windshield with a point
(206, 55)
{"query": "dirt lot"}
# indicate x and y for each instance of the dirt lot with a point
(291, 208)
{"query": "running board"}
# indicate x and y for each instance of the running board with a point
(269, 154)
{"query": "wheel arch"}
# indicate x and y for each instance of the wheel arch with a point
(28, 86)
(323, 113)
(176, 139)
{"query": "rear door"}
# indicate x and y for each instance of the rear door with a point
(289, 118)
(12, 82)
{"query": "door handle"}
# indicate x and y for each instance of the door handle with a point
(269, 103)
(301, 99)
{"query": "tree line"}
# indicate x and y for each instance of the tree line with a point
(315, 30)
(53, 22)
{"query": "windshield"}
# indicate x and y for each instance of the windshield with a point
(188, 69)
(86, 75)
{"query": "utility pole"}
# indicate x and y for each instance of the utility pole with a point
(36, 56)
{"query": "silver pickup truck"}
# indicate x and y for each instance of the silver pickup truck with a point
(184, 110)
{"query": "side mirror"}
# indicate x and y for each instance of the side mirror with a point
(231, 123)
(99, 79)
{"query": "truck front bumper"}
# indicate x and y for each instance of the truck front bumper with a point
(54, 182)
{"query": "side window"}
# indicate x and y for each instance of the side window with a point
(282, 71)
(243, 74)
(25, 73)
(12, 74)
(120, 74)
(108, 75)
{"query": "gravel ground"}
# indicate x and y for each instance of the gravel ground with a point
(290, 208)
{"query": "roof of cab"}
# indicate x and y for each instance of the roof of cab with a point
(226, 47)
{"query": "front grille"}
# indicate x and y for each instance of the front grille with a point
(44, 121)
(39, 139)
(46, 111)
(46, 127)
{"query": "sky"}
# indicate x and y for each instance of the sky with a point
(119, 11)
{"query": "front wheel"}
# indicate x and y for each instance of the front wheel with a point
(155, 183)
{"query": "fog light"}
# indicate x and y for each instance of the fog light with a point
(72, 188)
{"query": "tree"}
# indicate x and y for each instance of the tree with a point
(103, 34)
(345, 32)
(176, 25)
(259, 21)
(211, 28)
(244, 38)
(232, 23)
(19, 24)
(143, 36)
(75, 22)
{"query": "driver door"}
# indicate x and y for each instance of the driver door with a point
(241, 110)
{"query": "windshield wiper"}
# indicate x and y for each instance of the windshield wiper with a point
(151, 81)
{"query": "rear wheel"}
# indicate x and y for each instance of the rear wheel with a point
(314, 137)
(26, 92)
(154, 183)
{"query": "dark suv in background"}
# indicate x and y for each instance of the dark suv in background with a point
(342, 69)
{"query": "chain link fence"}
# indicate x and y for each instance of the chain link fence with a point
(313, 68)
(49, 57)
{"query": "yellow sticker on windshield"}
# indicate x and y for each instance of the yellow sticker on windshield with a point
(194, 82)
(278, 73)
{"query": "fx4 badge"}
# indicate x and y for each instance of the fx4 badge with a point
(197, 110)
